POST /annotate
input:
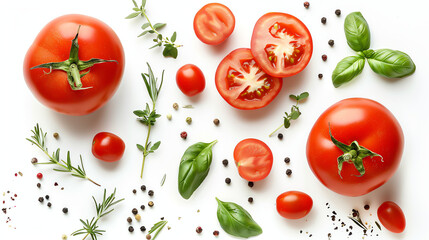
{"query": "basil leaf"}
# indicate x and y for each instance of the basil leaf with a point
(194, 167)
(236, 221)
(391, 63)
(357, 31)
(347, 69)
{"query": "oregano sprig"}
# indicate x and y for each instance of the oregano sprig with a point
(148, 116)
(39, 139)
(90, 228)
(170, 47)
(294, 111)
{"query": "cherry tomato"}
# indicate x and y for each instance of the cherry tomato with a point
(391, 216)
(214, 23)
(85, 89)
(368, 148)
(254, 159)
(294, 204)
(190, 80)
(281, 44)
(108, 147)
(243, 84)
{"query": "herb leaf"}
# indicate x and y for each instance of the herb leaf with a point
(347, 69)
(156, 228)
(391, 63)
(357, 32)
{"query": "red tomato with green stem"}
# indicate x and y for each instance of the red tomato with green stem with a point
(108, 147)
(243, 84)
(214, 23)
(254, 159)
(355, 146)
(391, 216)
(294, 204)
(281, 44)
(190, 80)
(75, 64)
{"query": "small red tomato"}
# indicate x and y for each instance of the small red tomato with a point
(294, 204)
(391, 216)
(254, 159)
(108, 147)
(190, 80)
(39, 175)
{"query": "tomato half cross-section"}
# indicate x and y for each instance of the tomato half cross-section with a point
(74, 65)
(355, 146)
(243, 84)
(281, 44)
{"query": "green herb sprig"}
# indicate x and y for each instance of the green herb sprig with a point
(157, 227)
(294, 111)
(90, 228)
(39, 139)
(170, 47)
(148, 116)
(385, 62)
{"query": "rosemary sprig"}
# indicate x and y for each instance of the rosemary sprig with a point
(294, 111)
(90, 228)
(39, 139)
(157, 227)
(170, 47)
(148, 116)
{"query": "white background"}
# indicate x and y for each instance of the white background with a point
(393, 24)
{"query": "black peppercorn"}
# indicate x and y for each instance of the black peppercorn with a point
(227, 180)
(331, 43)
(134, 211)
(280, 136)
(129, 220)
(338, 12)
(250, 184)
(225, 162)
(130, 229)
(142, 207)
(320, 76)
(41, 199)
(366, 207)
(306, 4)
(134, 191)
(39, 185)
(142, 228)
(288, 172)
(216, 233)
(49, 204)
(47, 197)
(143, 188)
(65, 210)
(324, 57)
(323, 20)
(199, 230)
(150, 193)
(250, 200)
(287, 160)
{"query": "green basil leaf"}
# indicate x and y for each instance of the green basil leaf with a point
(357, 31)
(236, 221)
(391, 63)
(347, 69)
(194, 167)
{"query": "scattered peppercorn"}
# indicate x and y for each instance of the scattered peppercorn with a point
(175, 106)
(338, 12)
(199, 229)
(183, 135)
(280, 136)
(142, 207)
(162, 219)
(47, 197)
(324, 57)
(306, 4)
(41, 199)
(134, 211)
(250, 184)
(129, 220)
(188, 120)
(143, 188)
(56, 135)
(138, 217)
(250, 200)
(65, 210)
(366, 207)
(130, 229)
(216, 121)
(216, 233)
(39, 185)
(323, 20)
(39, 175)
(287, 160)
(49, 204)
(169, 116)
(142, 228)
(225, 162)
(320, 76)
(134, 191)
(150, 204)
(227, 180)
(150, 193)
(34, 160)
(288, 172)
(331, 43)
(55, 184)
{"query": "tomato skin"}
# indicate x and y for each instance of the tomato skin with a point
(294, 204)
(391, 216)
(53, 43)
(262, 37)
(108, 147)
(190, 80)
(369, 123)
(236, 61)
(214, 23)
(254, 159)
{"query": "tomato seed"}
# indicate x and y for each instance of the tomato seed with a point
(323, 20)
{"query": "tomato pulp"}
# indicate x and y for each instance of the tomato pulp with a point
(54, 87)
(356, 172)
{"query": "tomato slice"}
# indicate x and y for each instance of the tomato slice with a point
(281, 44)
(243, 84)
(214, 23)
(254, 159)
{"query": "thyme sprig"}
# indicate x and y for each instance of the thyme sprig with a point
(90, 228)
(294, 111)
(148, 116)
(170, 47)
(39, 139)
(157, 227)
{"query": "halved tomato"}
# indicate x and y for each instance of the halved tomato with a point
(243, 84)
(281, 44)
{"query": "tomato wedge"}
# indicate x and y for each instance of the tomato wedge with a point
(243, 84)
(281, 44)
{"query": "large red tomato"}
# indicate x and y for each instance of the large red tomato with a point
(243, 84)
(363, 150)
(281, 44)
(75, 64)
